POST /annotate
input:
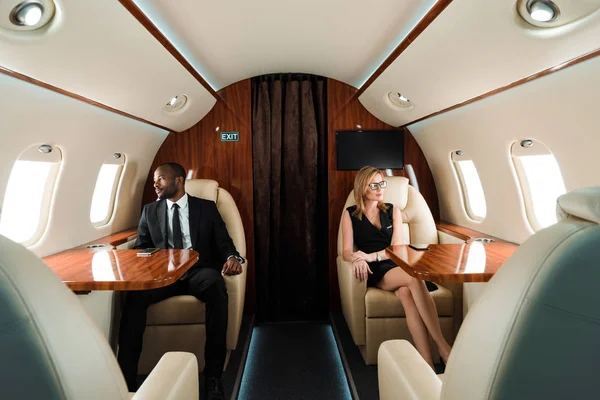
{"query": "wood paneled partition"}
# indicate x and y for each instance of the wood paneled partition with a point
(345, 112)
(200, 151)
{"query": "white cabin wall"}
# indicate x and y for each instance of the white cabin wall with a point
(560, 110)
(87, 136)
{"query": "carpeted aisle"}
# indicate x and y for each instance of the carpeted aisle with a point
(294, 361)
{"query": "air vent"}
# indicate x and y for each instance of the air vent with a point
(400, 101)
(176, 103)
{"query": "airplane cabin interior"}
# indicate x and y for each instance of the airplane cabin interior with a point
(299, 199)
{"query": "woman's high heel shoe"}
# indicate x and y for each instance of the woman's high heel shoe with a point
(441, 367)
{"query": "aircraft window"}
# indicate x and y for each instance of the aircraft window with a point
(473, 196)
(541, 182)
(103, 201)
(28, 194)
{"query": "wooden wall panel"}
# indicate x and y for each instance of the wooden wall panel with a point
(200, 150)
(344, 113)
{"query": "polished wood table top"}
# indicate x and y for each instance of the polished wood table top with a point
(83, 269)
(469, 262)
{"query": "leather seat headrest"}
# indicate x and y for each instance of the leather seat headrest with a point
(581, 203)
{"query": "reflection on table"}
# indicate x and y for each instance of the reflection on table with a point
(467, 262)
(107, 269)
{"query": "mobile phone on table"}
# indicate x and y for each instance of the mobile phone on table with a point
(147, 252)
(420, 247)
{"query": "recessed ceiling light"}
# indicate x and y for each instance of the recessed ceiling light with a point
(399, 100)
(176, 103)
(550, 14)
(27, 14)
(542, 10)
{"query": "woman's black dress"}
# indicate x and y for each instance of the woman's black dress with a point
(369, 239)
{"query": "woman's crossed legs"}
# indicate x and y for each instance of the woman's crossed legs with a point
(420, 311)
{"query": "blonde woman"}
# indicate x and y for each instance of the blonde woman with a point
(372, 225)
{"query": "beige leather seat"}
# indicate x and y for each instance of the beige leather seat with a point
(535, 331)
(51, 348)
(374, 315)
(178, 324)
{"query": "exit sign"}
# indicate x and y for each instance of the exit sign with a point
(230, 137)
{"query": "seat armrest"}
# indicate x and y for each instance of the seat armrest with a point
(236, 292)
(352, 293)
(404, 374)
(175, 377)
(449, 237)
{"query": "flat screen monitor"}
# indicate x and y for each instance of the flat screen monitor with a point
(380, 149)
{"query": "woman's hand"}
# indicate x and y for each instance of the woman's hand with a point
(361, 269)
(359, 255)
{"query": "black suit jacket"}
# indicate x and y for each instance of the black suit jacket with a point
(207, 231)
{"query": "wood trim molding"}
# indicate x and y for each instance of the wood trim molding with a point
(417, 30)
(467, 234)
(45, 85)
(541, 74)
(113, 240)
(457, 235)
(145, 21)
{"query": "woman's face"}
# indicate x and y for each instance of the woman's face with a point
(374, 190)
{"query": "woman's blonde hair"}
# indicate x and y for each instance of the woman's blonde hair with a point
(361, 185)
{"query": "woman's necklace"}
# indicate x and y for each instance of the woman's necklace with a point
(372, 218)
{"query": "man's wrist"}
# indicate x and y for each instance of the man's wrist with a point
(241, 260)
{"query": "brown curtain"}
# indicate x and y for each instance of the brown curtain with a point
(290, 196)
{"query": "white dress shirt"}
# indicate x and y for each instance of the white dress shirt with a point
(184, 219)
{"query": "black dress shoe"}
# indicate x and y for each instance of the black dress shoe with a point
(213, 390)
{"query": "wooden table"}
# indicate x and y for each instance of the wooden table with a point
(469, 262)
(472, 261)
(83, 269)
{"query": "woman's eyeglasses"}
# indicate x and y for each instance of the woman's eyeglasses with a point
(377, 185)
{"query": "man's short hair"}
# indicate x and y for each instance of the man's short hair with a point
(177, 169)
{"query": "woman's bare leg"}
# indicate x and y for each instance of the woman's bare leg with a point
(415, 324)
(428, 311)
(396, 278)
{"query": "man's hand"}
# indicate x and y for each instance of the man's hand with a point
(232, 267)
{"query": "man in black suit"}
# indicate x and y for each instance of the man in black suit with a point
(181, 221)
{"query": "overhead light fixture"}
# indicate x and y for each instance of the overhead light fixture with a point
(542, 10)
(399, 100)
(27, 15)
(176, 103)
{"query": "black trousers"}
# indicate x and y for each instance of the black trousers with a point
(207, 285)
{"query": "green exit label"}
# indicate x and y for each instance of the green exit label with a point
(230, 137)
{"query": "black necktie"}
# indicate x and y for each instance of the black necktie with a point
(177, 236)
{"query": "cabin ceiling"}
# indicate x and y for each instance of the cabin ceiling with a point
(227, 41)
(99, 50)
(471, 48)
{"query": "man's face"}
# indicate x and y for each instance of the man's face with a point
(165, 183)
